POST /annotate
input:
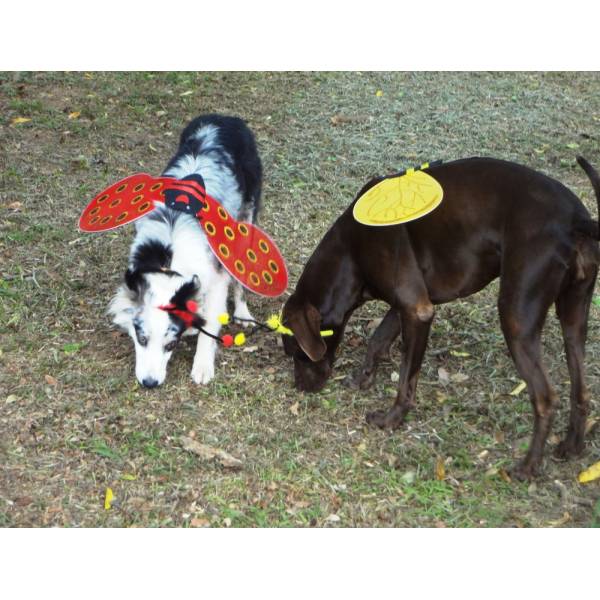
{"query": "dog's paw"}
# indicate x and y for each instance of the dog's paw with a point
(569, 447)
(524, 471)
(384, 419)
(360, 380)
(203, 372)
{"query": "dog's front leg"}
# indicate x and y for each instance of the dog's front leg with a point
(416, 323)
(215, 303)
(377, 350)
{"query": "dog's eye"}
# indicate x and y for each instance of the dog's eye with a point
(142, 340)
(171, 346)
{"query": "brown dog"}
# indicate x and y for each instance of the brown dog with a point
(497, 219)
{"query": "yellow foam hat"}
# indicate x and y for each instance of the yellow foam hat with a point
(399, 199)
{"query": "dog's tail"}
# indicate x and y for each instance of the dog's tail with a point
(595, 179)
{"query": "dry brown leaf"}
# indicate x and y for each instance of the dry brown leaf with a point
(206, 452)
(440, 469)
(499, 437)
(294, 408)
(50, 380)
(15, 205)
(199, 523)
(341, 119)
(74, 115)
(504, 475)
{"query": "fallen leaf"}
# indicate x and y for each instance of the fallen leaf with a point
(19, 120)
(74, 115)
(10, 399)
(518, 389)
(440, 396)
(206, 452)
(395, 377)
(128, 477)
(379, 93)
(458, 377)
(499, 437)
(443, 376)
(108, 498)
(459, 353)
(50, 380)
(15, 205)
(333, 518)
(573, 145)
(294, 408)
(23, 500)
(504, 475)
(188, 93)
(341, 119)
(590, 474)
(199, 523)
(440, 469)
(250, 349)
(227, 522)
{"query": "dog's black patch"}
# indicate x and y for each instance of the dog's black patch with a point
(236, 150)
(186, 292)
(149, 257)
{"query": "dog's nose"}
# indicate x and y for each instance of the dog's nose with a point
(149, 382)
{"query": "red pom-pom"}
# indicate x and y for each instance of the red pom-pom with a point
(227, 340)
(191, 306)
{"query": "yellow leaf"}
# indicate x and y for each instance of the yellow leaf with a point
(459, 353)
(108, 499)
(518, 389)
(590, 474)
(379, 93)
(19, 120)
(74, 115)
(440, 469)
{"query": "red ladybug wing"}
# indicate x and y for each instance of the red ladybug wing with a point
(246, 251)
(123, 202)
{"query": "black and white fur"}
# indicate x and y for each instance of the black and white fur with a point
(170, 258)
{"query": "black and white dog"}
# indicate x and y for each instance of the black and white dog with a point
(170, 259)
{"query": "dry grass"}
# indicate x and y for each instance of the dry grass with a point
(73, 420)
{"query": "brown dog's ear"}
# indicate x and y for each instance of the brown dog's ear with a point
(305, 322)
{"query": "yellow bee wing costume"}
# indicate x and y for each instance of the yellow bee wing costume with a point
(399, 198)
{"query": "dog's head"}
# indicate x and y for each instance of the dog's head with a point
(136, 308)
(313, 354)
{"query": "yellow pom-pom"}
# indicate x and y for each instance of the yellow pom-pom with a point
(273, 322)
(239, 339)
(223, 319)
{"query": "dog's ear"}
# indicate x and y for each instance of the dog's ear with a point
(135, 282)
(122, 308)
(305, 322)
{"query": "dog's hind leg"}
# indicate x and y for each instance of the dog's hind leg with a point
(527, 290)
(377, 350)
(572, 308)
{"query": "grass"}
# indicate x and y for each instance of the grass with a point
(74, 421)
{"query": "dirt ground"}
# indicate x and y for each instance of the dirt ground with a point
(73, 420)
